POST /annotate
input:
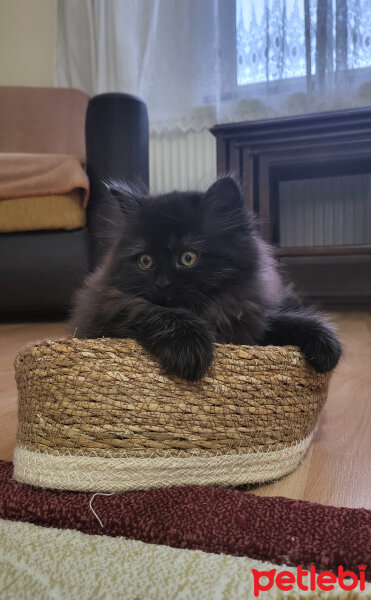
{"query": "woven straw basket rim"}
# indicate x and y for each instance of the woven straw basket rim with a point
(110, 400)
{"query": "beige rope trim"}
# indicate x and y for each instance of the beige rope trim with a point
(96, 474)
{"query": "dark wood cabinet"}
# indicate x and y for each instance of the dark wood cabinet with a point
(263, 154)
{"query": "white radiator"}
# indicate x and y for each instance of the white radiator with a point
(183, 161)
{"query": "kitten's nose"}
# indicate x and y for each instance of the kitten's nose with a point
(162, 282)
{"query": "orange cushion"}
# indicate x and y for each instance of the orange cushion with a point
(63, 211)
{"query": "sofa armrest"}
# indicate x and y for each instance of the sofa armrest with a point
(117, 146)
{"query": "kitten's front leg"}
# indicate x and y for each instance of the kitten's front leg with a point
(310, 332)
(180, 339)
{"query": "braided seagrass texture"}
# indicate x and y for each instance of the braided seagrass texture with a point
(110, 397)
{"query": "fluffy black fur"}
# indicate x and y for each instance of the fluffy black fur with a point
(233, 293)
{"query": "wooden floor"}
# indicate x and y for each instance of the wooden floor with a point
(337, 468)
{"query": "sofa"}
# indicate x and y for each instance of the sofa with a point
(57, 146)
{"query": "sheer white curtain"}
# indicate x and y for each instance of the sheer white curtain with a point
(164, 51)
(199, 62)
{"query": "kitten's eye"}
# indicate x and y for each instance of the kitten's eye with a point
(146, 261)
(189, 258)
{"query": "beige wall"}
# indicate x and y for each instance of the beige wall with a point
(27, 42)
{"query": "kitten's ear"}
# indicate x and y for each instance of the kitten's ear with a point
(224, 196)
(127, 196)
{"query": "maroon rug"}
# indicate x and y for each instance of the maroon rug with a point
(217, 520)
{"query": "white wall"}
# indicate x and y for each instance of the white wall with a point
(27, 42)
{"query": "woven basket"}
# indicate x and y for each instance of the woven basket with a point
(102, 415)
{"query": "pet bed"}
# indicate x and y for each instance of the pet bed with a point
(102, 415)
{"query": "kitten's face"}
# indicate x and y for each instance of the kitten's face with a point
(181, 248)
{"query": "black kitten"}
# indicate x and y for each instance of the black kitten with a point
(189, 269)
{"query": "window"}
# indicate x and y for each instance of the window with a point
(285, 39)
